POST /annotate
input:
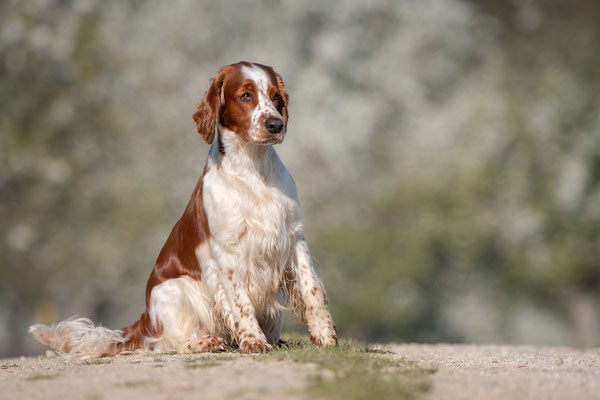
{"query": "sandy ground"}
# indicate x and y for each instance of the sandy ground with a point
(507, 372)
(204, 376)
(463, 372)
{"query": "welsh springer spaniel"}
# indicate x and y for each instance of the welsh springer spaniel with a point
(237, 257)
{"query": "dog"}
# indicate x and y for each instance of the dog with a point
(238, 255)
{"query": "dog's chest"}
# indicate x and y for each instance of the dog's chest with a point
(263, 219)
(256, 220)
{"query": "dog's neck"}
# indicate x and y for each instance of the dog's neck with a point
(236, 155)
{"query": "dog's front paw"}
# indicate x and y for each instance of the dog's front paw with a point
(207, 344)
(326, 337)
(254, 345)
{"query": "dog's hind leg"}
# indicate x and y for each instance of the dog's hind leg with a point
(184, 311)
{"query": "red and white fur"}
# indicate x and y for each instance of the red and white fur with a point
(238, 256)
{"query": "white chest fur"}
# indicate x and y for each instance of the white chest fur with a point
(254, 216)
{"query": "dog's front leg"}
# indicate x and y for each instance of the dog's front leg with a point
(235, 306)
(308, 293)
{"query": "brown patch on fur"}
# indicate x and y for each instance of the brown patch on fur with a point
(135, 336)
(236, 114)
(314, 291)
(307, 312)
(282, 106)
(277, 87)
(208, 344)
(178, 255)
(177, 258)
(208, 109)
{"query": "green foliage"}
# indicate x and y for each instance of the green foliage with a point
(506, 211)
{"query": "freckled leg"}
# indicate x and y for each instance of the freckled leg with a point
(250, 337)
(238, 311)
(312, 299)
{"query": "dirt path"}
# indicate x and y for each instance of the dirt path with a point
(463, 372)
(205, 376)
(507, 372)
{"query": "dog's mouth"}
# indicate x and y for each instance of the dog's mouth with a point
(265, 140)
(275, 139)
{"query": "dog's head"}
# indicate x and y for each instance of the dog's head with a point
(248, 99)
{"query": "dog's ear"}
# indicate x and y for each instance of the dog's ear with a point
(284, 97)
(208, 109)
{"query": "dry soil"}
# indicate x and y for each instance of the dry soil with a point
(462, 372)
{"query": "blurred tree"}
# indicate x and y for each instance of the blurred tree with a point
(518, 220)
(60, 134)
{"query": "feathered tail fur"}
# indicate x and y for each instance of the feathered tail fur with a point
(79, 336)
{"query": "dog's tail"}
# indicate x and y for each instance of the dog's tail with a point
(79, 336)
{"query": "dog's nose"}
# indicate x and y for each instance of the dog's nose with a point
(274, 125)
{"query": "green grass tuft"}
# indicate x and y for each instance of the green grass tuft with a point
(359, 371)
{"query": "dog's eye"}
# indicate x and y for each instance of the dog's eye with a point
(276, 98)
(246, 97)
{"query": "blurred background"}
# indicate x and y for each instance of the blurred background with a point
(447, 156)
